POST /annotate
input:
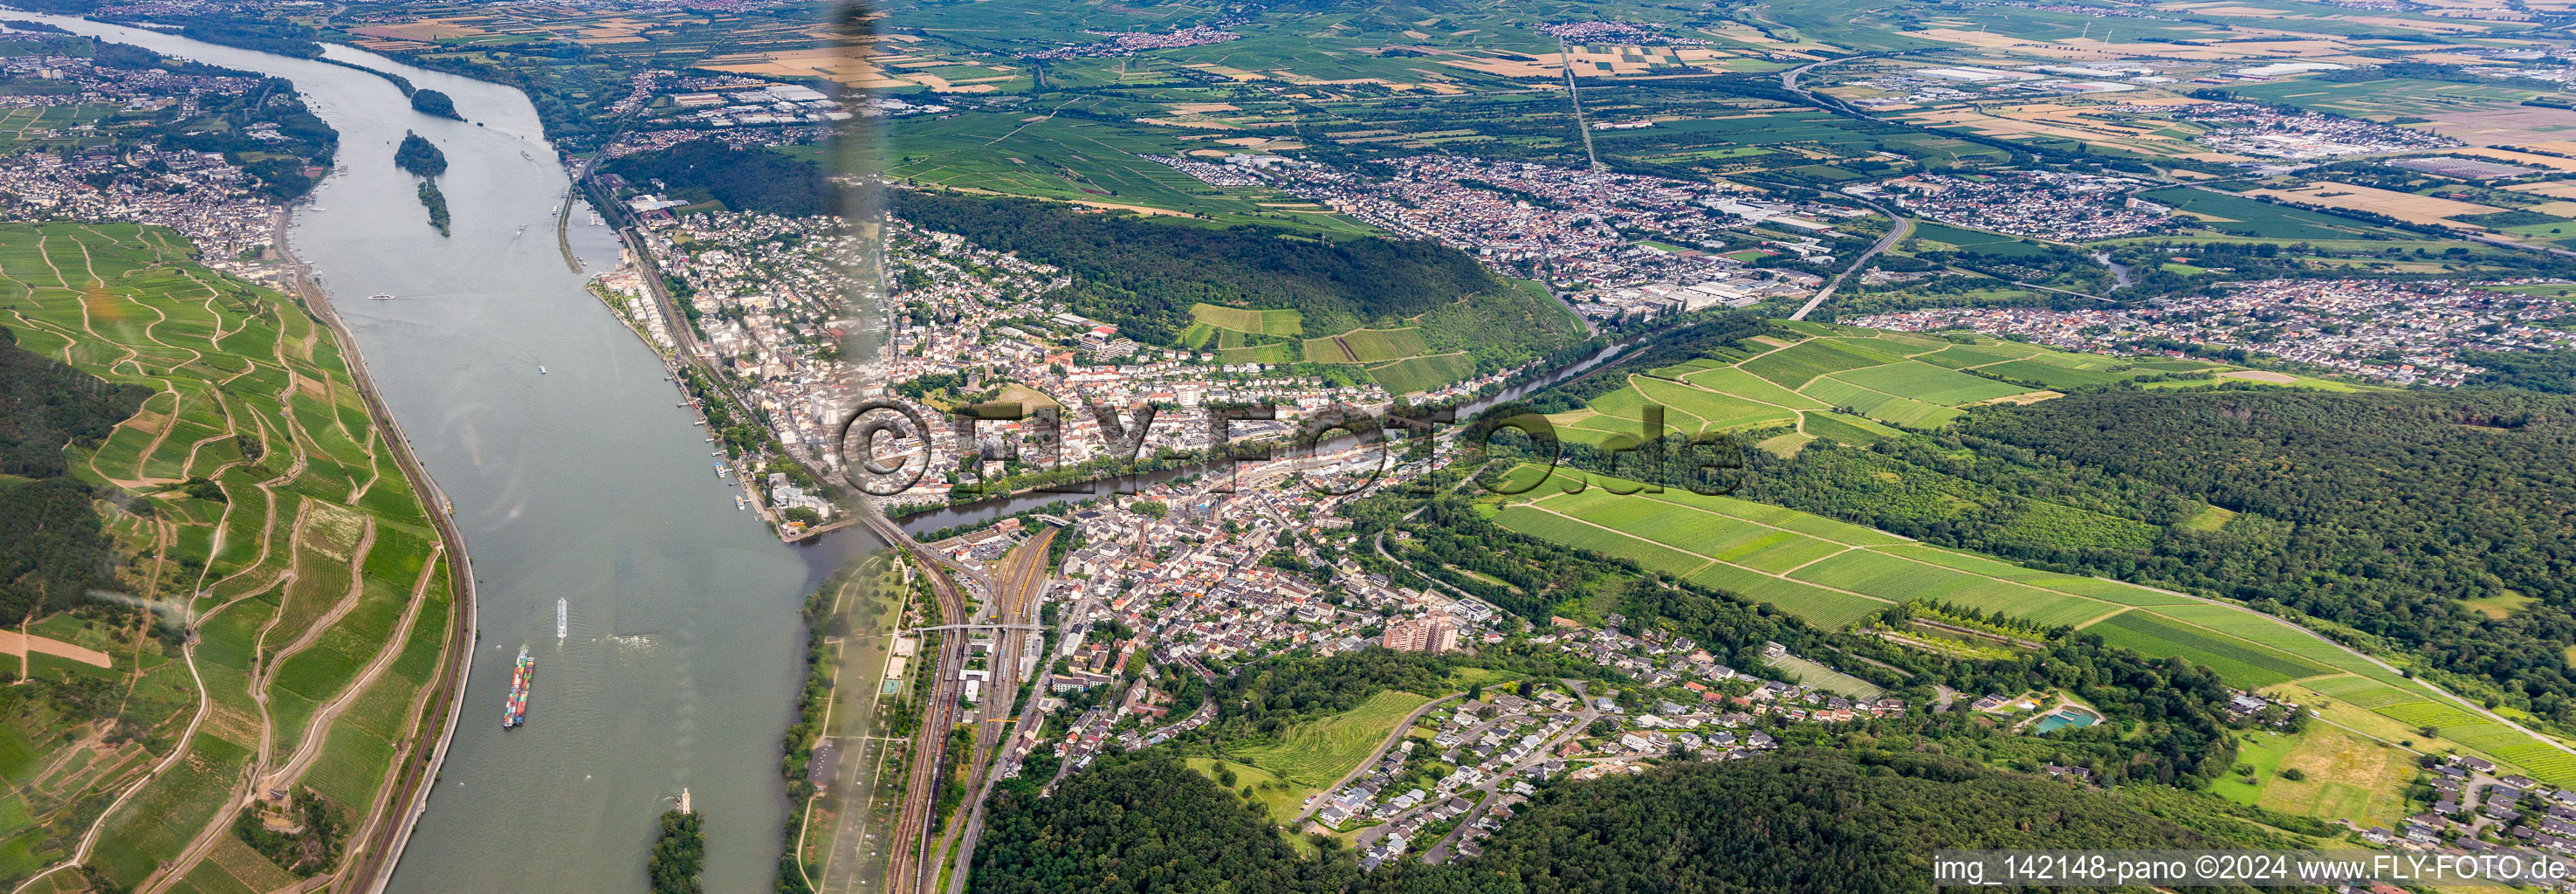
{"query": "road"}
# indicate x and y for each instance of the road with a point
(379, 841)
(1900, 227)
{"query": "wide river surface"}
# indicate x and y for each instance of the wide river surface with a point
(583, 483)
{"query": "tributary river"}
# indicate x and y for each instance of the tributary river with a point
(584, 482)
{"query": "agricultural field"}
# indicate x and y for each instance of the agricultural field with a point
(2242, 663)
(326, 601)
(1090, 162)
(50, 126)
(1476, 333)
(1367, 346)
(1318, 753)
(1845, 384)
(1807, 144)
(2385, 98)
(2240, 216)
(2052, 122)
(1414, 374)
(1285, 323)
(1833, 574)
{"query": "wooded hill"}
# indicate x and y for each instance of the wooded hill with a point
(743, 179)
(2384, 511)
(51, 548)
(1143, 276)
(1807, 821)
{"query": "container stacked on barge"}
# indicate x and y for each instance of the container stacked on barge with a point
(521, 676)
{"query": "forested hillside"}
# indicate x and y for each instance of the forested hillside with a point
(743, 179)
(2380, 511)
(1141, 824)
(1814, 821)
(51, 547)
(1811, 821)
(1144, 276)
(46, 406)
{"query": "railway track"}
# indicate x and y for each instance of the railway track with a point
(910, 844)
(1021, 584)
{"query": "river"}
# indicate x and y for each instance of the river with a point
(994, 508)
(582, 482)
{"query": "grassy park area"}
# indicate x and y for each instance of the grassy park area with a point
(1318, 753)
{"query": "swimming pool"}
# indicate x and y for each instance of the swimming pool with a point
(2066, 718)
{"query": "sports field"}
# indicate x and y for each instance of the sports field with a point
(314, 579)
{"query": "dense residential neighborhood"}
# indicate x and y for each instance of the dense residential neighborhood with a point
(2407, 333)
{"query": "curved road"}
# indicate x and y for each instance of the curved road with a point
(1902, 227)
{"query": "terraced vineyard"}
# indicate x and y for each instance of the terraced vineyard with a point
(261, 503)
(1833, 574)
(1847, 384)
